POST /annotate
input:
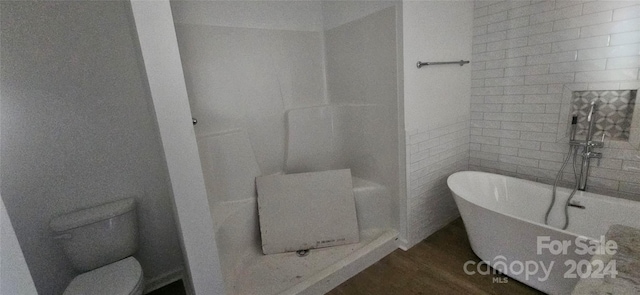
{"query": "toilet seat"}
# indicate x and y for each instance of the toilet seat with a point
(122, 277)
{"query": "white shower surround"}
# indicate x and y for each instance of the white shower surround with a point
(243, 96)
(232, 201)
(505, 216)
(247, 270)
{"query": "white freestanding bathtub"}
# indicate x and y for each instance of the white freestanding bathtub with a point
(504, 218)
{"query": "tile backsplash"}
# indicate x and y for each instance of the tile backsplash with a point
(434, 153)
(613, 114)
(525, 55)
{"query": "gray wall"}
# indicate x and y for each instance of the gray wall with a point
(526, 56)
(78, 130)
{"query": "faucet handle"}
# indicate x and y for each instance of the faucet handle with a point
(595, 143)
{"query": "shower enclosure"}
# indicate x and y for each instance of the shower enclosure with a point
(288, 87)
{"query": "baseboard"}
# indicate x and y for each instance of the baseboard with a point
(403, 244)
(162, 280)
(434, 228)
(442, 224)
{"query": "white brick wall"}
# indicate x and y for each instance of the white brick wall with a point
(524, 54)
(434, 153)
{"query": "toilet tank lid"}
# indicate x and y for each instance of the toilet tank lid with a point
(91, 215)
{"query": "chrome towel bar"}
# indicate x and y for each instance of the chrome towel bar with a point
(461, 63)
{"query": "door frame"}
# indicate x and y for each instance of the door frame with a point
(159, 48)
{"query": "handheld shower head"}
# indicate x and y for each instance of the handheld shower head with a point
(591, 110)
(591, 120)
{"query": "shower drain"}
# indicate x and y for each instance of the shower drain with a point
(302, 253)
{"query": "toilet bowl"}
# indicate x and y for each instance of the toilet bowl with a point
(100, 242)
(122, 277)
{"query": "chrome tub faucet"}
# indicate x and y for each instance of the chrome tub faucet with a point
(587, 147)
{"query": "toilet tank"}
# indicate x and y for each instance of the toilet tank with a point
(97, 236)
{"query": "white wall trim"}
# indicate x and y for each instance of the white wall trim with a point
(159, 46)
(15, 277)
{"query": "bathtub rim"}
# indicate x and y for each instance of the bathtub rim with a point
(578, 194)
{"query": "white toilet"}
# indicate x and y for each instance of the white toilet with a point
(99, 242)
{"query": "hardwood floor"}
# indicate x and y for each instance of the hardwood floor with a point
(434, 266)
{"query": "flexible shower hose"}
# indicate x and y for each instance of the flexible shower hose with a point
(574, 151)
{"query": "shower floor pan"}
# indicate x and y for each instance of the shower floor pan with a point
(248, 271)
(318, 272)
